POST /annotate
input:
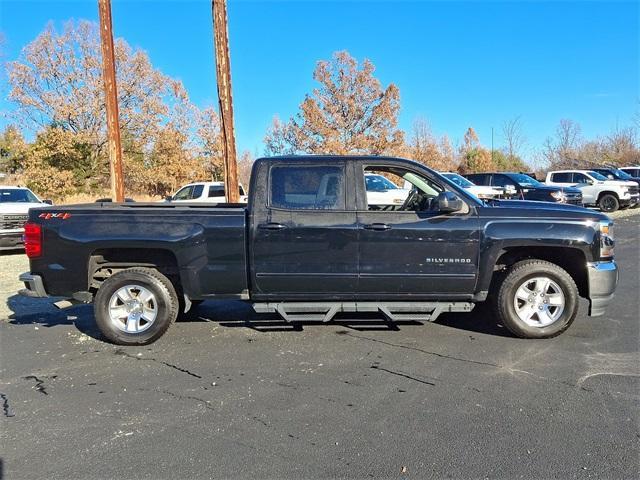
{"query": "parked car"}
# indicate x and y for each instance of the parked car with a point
(597, 190)
(522, 187)
(15, 203)
(480, 191)
(616, 174)
(308, 252)
(633, 171)
(383, 192)
(204, 192)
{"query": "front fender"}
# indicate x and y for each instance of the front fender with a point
(499, 236)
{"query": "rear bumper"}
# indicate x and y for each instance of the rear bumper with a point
(11, 240)
(603, 279)
(34, 287)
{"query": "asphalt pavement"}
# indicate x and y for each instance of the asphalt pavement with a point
(230, 394)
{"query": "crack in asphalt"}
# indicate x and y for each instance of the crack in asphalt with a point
(39, 384)
(400, 374)
(5, 406)
(151, 359)
(202, 401)
(441, 355)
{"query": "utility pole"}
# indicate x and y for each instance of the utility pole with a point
(111, 100)
(223, 75)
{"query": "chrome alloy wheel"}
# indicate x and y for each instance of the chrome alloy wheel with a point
(539, 302)
(133, 309)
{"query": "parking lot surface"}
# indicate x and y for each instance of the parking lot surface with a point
(228, 393)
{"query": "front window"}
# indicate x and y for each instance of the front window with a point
(197, 191)
(419, 193)
(17, 195)
(184, 193)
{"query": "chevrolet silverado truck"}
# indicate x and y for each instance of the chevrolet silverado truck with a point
(309, 245)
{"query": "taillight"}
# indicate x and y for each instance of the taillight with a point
(32, 240)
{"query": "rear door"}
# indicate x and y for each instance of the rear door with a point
(304, 239)
(415, 251)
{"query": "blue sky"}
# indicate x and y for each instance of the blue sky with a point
(457, 64)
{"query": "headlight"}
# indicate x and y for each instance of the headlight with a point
(558, 195)
(606, 239)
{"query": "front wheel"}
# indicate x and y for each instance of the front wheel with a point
(537, 299)
(608, 203)
(135, 306)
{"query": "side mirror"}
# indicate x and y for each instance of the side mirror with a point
(48, 202)
(168, 198)
(449, 202)
(588, 181)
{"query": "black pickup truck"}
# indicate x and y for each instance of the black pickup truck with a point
(313, 242)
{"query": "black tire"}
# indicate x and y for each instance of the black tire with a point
(517, 275)
(608, 203)
(164, 296)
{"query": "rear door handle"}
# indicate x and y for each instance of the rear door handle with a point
(271, 226)
(377, 226)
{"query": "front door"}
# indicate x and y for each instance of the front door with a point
(305, 243)
(412, 250)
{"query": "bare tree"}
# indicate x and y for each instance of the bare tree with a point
(514, 139)
(561, 150)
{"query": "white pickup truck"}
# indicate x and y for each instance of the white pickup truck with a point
(15, 203)
(597, 190)
(204, 192)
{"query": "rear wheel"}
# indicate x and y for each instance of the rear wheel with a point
(537, 299)
(135, 306)
(608, 203)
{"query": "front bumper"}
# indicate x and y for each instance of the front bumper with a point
(603, 279)
(632, 201)
(11, 240)
(34, 287)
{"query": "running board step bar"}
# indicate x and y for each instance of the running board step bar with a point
(392, 311)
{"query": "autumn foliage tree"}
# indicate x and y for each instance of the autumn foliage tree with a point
(474, 157)
(426, 148)
(56, 85)
(348, 113)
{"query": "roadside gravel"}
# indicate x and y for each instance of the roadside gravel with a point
(13, 264)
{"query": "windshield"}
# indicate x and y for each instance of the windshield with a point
(459, 180)
(378, 183)
(524, 180)
(19, 195)
(621, 175)
(598, 176)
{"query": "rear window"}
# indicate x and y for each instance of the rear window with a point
(218, 191)
(561, 177)
(307, 187)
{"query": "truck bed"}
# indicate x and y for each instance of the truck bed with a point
(204, 243)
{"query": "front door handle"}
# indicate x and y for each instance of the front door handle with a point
(271, 226)
(377, 226)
